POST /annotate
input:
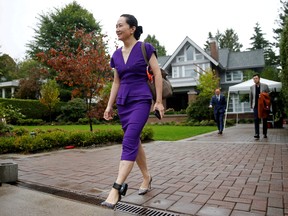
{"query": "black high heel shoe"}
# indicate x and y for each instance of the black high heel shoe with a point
(122, 189)
(143, 191)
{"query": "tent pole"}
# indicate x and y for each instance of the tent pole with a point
(237, 110)
(227, 104)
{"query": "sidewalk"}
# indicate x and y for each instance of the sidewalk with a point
(205, 175)
(19, 201)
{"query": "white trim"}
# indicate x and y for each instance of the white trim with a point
(187, 39)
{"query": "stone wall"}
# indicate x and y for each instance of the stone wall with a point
(183, 117)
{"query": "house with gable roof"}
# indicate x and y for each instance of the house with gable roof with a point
(189, 60)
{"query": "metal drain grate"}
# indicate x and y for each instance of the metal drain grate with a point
(122, 207)
(138, 210)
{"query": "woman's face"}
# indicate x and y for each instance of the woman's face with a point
(123, 30)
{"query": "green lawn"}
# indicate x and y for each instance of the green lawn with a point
(165, 133)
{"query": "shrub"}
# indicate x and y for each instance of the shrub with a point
(147, 134)
(5, 129)
(73, 110)
(10, 113)
(30, 122)
(32, 109)
(199, 110)
(25, 142)
(7, 145)
(20, 132)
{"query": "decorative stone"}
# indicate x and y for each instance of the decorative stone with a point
(8, 172)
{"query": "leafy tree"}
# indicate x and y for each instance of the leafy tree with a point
(73, 110)
(50, 95)
(27, 68)
(29, 87)
(278, 31)
(161, 51)
(8, 67)
(271, 73)
(87, 69)
(248, 74)
(210, 35)
(284, 63)
(208, 82)
(259, 42)
(199, 110)
(10, 114)
(229, 39)
(281, 22)
(58, 27)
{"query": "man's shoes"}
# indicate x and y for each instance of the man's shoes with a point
(220, 132)
(256, 136)
(265, 136)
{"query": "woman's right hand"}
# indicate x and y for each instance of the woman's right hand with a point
(108, 114)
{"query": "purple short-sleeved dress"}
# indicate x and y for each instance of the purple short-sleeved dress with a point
(134, 97)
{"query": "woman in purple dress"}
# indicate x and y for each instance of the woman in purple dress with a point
(133, 99)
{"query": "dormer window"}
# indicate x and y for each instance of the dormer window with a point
(193, 54)
(190, 53)
(198, 55)
(180, 58)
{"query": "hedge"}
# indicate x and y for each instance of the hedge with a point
(59, 139)
(32, 109)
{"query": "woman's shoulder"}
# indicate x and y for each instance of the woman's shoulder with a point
(149, 45)
(118, 50)
(149, 49)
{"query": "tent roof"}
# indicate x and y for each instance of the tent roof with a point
(244, 87)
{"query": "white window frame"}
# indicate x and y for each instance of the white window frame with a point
(180, 58)
(232, 76)
(235, 106)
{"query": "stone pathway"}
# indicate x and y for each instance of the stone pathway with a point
(229, 174)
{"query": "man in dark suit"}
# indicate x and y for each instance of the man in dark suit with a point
(255, 91)
(218, 101)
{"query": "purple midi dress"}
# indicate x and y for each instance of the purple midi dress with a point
(134, 97)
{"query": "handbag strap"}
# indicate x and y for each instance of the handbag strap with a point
(144, 53)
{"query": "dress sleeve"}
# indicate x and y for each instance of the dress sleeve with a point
(112, 64)
(149, 50)
(116, 55)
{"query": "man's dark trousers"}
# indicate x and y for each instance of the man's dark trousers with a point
(219, 118)
(257, 122)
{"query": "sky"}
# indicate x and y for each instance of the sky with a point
(169, 21)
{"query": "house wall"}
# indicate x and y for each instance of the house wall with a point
(220, 61)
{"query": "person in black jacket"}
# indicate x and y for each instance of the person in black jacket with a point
(218, 101)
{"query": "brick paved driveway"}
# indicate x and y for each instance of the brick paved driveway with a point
(206, 175)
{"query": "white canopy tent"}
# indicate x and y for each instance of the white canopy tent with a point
(244, 88)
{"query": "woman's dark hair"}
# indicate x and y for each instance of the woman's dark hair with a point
(132, 21)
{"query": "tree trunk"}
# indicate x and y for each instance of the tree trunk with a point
(90, 123)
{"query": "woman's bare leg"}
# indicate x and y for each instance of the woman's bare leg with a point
(125, 168)
(142, 164)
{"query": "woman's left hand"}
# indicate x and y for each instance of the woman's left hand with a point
(159, 106)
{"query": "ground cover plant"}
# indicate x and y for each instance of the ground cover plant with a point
(160, 132)
(34, 139)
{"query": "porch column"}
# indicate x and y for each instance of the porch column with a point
(12, 92)
(3, 93)
(192, 95)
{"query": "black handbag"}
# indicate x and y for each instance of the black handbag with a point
(167, 89)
